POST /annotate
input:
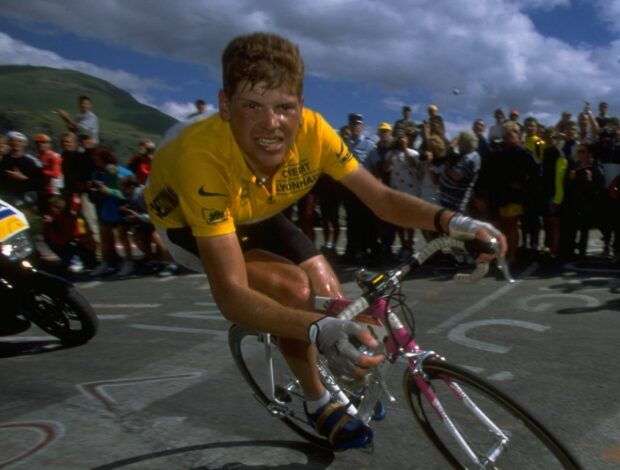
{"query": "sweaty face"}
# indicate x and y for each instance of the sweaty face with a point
(264, 123)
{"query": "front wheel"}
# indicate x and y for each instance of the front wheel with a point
(518, 442)
(274, 385)
(65, 314)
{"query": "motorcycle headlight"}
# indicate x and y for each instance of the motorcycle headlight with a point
(17, 247)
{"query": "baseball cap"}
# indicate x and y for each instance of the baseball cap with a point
(42, 138)
(384, 126)
(355, 118)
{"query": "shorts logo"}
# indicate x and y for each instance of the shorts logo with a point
(214, 216)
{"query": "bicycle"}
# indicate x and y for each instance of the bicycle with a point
(468, 420)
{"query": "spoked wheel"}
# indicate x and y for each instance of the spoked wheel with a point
(257, 360)
(66, 315)
(529, 444)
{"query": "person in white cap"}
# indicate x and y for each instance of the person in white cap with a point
(21, 176)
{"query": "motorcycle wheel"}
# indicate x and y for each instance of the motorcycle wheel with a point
(66, 315)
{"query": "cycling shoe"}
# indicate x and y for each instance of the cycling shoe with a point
(342, 430)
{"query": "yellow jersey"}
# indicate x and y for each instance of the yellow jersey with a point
(199, 177)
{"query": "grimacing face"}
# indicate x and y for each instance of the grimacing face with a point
(264, 123)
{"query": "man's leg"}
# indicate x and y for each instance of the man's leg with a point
(294, 286)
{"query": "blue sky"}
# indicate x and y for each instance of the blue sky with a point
(366, 56)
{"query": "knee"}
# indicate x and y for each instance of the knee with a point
(295, 289)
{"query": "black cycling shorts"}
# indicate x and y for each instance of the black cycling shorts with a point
(278, 235)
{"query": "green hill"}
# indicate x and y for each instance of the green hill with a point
(28, 95)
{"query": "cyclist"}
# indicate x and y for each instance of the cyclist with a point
(216, 191)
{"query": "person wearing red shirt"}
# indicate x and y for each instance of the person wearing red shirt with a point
(140, 163)
(51, 164)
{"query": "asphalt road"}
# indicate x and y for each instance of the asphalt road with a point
(157, 388)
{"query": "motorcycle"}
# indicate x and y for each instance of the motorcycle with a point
(29, 295)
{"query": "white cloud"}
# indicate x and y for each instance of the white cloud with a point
(488, 49)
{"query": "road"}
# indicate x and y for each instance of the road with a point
(157, 389)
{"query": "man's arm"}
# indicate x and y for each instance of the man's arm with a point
(393, 206)
(409, 211)
(71, 125)
(224, 265)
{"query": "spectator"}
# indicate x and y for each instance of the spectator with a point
(405, 124)
(584, 189)
(603, 119)
(554, 168)
(588, 126)
(514, 117)
(108, 197)
(508, 173)
(483, 148)
(85, 120)
(430, 165)
(201, 109)
(136, 217)
(570, 143)
(329, 193)
(140, 163)
(21, 176)
(496, 131)
(51, 164)
(63, 234)
(432, 110)
(532, 194)
(435, 126)
(377, 165)
(564, 124)
(401, 164)
(457, 180)
(361, 244)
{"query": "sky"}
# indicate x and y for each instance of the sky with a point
(372, 57)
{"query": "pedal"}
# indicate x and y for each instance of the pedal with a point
(275, 410)
(282, 395)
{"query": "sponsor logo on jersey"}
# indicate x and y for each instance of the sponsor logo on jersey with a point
(164, 203)
(214, 216)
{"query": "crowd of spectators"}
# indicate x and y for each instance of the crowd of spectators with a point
(88, 207)
(545, 186)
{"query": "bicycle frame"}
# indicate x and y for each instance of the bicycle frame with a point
(399, 342)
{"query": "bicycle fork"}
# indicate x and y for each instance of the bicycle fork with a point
(427, 390)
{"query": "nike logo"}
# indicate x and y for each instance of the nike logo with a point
(202, 192)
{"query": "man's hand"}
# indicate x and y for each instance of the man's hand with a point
(462, 227)
(332, 337)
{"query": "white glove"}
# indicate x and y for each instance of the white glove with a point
(332, 337)
(462, 227)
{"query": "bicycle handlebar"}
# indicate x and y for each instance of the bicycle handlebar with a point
(375, 286)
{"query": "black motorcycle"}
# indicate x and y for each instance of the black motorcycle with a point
(29, 295)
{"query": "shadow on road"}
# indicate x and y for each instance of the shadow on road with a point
(316, 458)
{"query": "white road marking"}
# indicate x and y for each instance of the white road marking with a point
(481, 304)
(459, 333)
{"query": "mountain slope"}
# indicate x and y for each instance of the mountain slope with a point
(28, 95)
